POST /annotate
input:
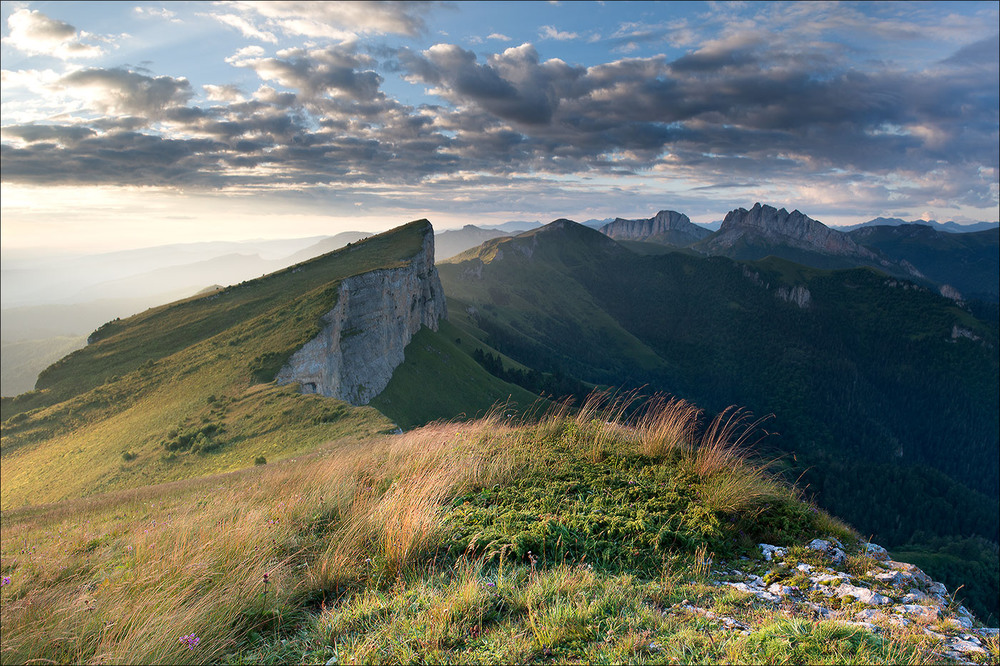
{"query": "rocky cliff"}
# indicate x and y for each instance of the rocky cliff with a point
(767, 225)
(668, 227)
(376, 315)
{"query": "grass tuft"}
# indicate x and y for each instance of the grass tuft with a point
(499, 540)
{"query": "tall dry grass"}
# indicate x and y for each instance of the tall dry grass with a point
(120, 579)
(121, 583)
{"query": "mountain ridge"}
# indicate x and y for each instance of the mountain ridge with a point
(667, 226)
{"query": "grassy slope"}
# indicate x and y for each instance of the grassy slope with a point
(128, 409)
(970, 262)
(438, 379)
(121, 347)
(869, 371)
(530, 295)
(590, 535)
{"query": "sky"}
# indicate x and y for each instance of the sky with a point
(134, 124)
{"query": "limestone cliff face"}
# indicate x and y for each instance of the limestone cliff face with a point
(772, 225)
(667, 226)
(376, 315)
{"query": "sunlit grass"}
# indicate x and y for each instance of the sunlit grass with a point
(348, 554)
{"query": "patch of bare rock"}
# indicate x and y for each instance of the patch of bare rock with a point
(814, 580)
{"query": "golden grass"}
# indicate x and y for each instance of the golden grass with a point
(120, 578)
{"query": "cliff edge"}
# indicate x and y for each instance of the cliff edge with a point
(377, 313)
(667, 227)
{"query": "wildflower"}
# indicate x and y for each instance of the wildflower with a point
(6, 581)
(190, 640)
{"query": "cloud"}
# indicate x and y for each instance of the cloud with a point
(157, 12)
(513, 85)
(498, 36)
(549, 32)
(248, 29)
(125, 158)
(224, 93)
(34, 33)
(60, 135)
(336, 70)
(339, 20)
(743, 105)
(120, 91)
(983, 52)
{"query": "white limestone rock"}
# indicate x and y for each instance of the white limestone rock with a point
(362, 343)
(862, 594)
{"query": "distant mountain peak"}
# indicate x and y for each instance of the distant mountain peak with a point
(563, 223)
(949, 227)
(667, 227)
(767, 229)
(769, 218)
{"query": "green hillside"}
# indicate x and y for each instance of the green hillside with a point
(565, 539)
(865, 383)
(970, 262)
(186, 389)
(440, 380)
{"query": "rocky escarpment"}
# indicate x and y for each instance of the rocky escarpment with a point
(768, 225)
(376, 315)
(824, 580)
(668, 227)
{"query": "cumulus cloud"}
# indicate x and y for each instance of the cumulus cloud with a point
(34, 33)
(741, 106)
(513, 85)
(336, 70)
(224, 93)
(121, 91)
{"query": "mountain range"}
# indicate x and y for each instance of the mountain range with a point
(865, 373)
(951, 227)
(963, 265)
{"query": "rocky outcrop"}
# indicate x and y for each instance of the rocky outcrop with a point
(768, 225)
(668, 227)
(797, 294)
(376, 315)
(864, 589)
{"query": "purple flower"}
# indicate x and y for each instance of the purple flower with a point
(6, 581)
(190, 640)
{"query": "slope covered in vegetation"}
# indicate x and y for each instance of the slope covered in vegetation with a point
(885, 393)
(186, 389)
(581, 537)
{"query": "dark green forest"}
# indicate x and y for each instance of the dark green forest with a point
(882, 413)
